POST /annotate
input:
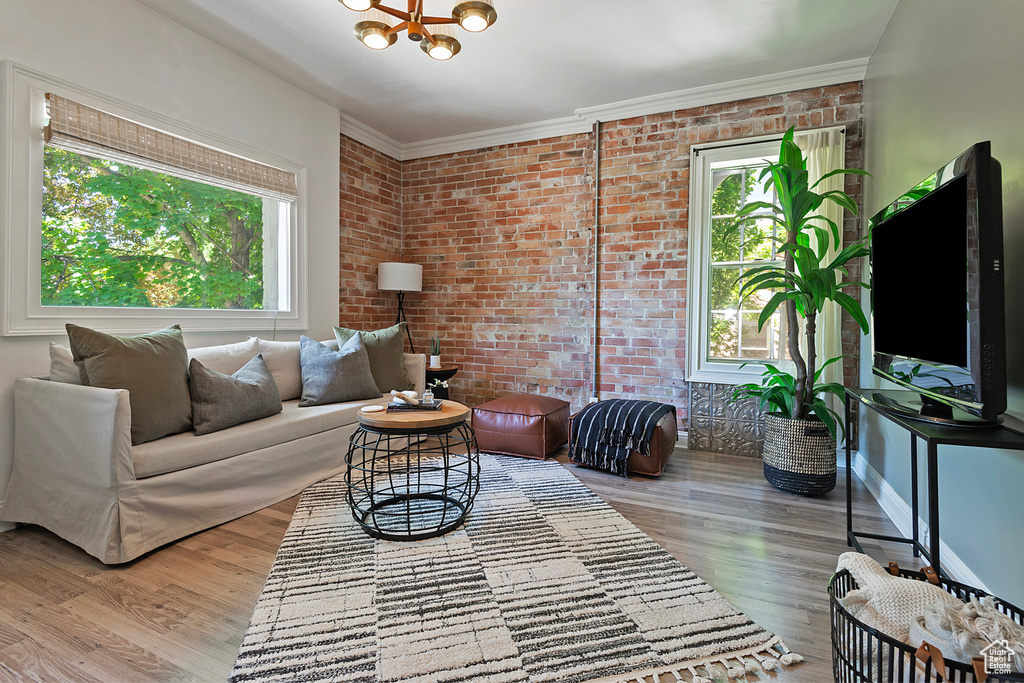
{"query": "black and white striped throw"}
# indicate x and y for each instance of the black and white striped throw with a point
(604, 433)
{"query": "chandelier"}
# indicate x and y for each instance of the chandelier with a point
(374, 30)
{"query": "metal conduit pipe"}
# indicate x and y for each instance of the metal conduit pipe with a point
(597, 262)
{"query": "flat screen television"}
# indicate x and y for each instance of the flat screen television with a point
(937, 325)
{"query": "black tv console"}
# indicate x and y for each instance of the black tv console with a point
(933, 435)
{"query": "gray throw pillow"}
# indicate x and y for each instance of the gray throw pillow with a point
(387, 362)
(330, 376)
(220, 401)
(152, 367)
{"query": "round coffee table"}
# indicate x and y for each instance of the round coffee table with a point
(412, 475)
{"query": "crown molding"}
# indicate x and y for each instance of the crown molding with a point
(582, 122)
(526, 132)
(787, 81)
(360, 132)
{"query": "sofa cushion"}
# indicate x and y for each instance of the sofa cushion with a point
(330, 376)
(283, 359)
(62, 365)
(152, 367)
(387, 361)
(226, 358)
(182, 451)
(220, 401)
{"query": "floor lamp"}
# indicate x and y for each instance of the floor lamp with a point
(401, 278)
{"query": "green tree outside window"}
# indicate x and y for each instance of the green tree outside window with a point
(117, 235)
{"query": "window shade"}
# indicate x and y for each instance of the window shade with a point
(82, 129)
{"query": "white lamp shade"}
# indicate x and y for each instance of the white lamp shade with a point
(400, 277)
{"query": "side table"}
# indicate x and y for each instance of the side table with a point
(412, 475)
(443, 373)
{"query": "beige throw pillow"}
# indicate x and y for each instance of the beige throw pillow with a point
(152, 367)
(62, 365)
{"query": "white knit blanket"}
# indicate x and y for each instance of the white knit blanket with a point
(886, 602)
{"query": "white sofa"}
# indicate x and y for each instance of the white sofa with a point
(77, 474)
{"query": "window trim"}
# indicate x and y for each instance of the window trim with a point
(700, 368)
(21, 159)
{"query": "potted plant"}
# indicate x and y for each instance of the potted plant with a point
(434, 342)
(800, 431)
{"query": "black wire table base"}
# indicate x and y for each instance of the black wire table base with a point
(402, 487)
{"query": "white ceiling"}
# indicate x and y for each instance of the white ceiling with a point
(542, 59)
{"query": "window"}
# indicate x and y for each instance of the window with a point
(733, 333)
(126, 226)
(114, 234)
(723, 330)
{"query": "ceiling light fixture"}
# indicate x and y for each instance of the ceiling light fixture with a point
(375, 30)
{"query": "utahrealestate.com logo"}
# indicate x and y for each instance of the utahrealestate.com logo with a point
(998, 658)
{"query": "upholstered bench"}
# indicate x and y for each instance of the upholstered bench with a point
(522, 424)
(663, 441)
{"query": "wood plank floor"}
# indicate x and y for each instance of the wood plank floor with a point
(179, 613)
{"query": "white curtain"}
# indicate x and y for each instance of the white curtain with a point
(825, 152)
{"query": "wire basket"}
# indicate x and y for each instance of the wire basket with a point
(861, 653)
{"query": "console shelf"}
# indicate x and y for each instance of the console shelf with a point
(933, 435)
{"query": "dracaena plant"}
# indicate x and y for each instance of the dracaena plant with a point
(777, 391)
(805, 280)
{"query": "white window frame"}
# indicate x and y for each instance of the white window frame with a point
(703, 160)
(21, 170)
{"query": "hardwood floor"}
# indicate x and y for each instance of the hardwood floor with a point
(179, 613)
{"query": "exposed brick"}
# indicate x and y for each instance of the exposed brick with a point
(505, 238)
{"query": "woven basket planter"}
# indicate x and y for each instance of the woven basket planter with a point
(799, 455)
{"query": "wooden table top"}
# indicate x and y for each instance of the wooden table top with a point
(443, 368)
(451, 413)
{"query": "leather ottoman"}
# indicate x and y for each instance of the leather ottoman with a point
(663, 441)
(522, 424)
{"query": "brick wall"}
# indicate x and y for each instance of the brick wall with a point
(371, 232)
(505, 238)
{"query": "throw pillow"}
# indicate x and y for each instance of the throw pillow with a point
(62, 365)
(226, 358)
(330, 376)
(220, 401)
(152, 367)
(282, 358)
(387, 362)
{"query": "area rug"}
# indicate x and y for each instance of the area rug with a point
(544, 582)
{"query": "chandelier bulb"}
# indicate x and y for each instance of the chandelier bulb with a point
(374, 34)
(474, 16)
(443, 48)
(357, 5)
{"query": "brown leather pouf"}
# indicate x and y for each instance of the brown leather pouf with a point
(522, 424)
(663, 441)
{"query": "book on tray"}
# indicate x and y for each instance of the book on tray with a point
(405, 407)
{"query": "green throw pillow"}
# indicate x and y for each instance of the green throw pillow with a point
(387, 362)
(152, 367)
(220, 401)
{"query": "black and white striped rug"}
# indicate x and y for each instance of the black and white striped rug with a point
(543, 583)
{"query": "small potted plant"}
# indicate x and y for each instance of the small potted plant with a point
(434, 342)
(800, 432)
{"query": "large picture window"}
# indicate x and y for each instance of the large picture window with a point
(122, 224)
(114, 234)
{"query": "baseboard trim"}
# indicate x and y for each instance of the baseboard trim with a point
(683, 440)
(901, 515)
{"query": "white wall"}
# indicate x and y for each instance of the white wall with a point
(947, 74)
(124, 51)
